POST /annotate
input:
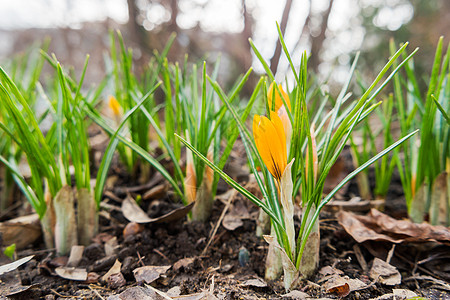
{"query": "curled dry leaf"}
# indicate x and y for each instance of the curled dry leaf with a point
(14, 291)
(21, 231)
(114, 270)
(136, 292)
(340, 290)
(14, 265)
(111, 246)
(385, 273)
(232, 222)
(134, 213)
(116, 280)
(76, 254)
(148, 274)
(377, 226)
(297, 295)
(183, 263)
(256, 282)
(156, 192)
(70, 273)
(341, 285)
(132, 229)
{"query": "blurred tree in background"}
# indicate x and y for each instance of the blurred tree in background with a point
(331, 31)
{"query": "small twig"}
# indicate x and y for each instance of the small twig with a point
(360, 258)
(96, 292)
(224, 211)
(63, 296)
(161, 254)
(390, 254)
(442, 283)
(413, 264)
(162, 294)
(140, 259)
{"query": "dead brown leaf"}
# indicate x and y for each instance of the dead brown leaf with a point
(132, 229)
(136, 292)
(114, 270)
(76, 254)
(148, 274)
(21, 231)
(156, 192)
(183, 263)
(14, 265)
(377, 226)
(340, 290)
(70, 273)
(231, 222)
(385, 273)
(14, 291)
(134, 213)
(255, 282)
(341, 285)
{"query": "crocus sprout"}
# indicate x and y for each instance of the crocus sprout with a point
(270, 140)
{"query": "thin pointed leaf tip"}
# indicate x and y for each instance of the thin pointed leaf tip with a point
(270, 140)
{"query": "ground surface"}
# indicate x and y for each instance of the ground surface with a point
(231, 267)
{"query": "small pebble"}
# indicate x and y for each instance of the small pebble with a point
(244, 256)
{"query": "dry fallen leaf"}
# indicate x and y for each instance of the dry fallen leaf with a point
(14, 265)
(148, 274)
(13, 292)
(21, 231)
(133, 293)
(70, 273)
(297, 295)
(111, 246)
(377, 226)
(132, 229)
(156, 192)
(114, 270)
(340, 290)
(76, 254)
(256, 282)
(231, 222)
(116, 280)
(384, 273)
(403, 294)
(134, 213)
(341, 285)
(183, 263)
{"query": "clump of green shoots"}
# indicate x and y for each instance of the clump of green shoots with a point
(25, 69)
(51, 158)
(368, 146)
(296, 152)
(425, 165)
(191, 110)
(126, 87)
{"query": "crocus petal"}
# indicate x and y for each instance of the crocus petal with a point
(114, 106)
(273, 92)
(270, 141)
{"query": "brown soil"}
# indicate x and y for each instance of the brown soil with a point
(224, 268)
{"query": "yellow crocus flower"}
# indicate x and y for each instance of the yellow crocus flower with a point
(114, 106)
(278, 101)
(270, 140)
(274, 95)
